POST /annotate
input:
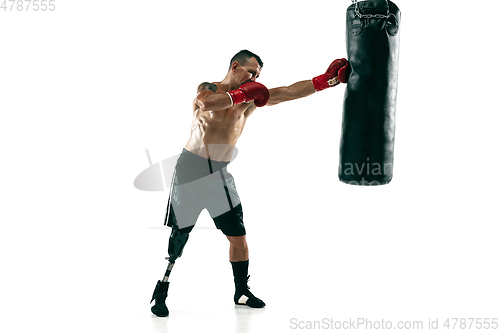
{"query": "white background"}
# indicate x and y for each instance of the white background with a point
(85, 89)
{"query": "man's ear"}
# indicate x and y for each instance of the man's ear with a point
(235, 65)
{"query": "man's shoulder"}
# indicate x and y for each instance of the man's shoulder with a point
(207, 86)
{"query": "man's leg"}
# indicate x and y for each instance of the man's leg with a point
(177, 241)
(238, 256)
(238, 248)
(230, 222)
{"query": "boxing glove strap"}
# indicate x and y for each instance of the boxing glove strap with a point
(320, 82)
(237, 96)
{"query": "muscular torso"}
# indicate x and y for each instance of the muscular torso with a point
(214, 133)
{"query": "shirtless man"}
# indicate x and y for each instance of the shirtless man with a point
(220, 111)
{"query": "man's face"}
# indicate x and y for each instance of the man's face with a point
(248, 72)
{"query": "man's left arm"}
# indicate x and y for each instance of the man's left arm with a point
(337, 72)
(296, 90)
(283, 94)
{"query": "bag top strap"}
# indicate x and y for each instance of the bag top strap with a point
(369, 6)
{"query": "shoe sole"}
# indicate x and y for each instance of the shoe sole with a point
(159, 313)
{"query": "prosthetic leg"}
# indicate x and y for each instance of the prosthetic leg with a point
(176, 243)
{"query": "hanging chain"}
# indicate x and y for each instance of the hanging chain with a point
(369, 16)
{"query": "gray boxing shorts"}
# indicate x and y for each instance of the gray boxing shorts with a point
(199, 183)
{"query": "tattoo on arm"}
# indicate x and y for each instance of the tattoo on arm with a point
(207, 86)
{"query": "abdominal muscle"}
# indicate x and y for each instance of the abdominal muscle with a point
(214, 133)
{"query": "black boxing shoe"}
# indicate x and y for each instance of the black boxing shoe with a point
(243, 296)
(159, 296)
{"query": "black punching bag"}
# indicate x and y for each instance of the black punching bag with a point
(369, 115)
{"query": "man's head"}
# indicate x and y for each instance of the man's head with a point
(245, 67)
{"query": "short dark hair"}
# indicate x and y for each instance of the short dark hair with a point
(243, 56)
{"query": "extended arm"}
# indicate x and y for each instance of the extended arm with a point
(296, 90)
(337, 72)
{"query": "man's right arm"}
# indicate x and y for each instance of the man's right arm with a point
(208, 99)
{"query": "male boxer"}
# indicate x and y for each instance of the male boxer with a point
(201, 180)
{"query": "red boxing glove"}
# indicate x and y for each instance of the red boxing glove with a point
(251, 91)
(338, 71)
